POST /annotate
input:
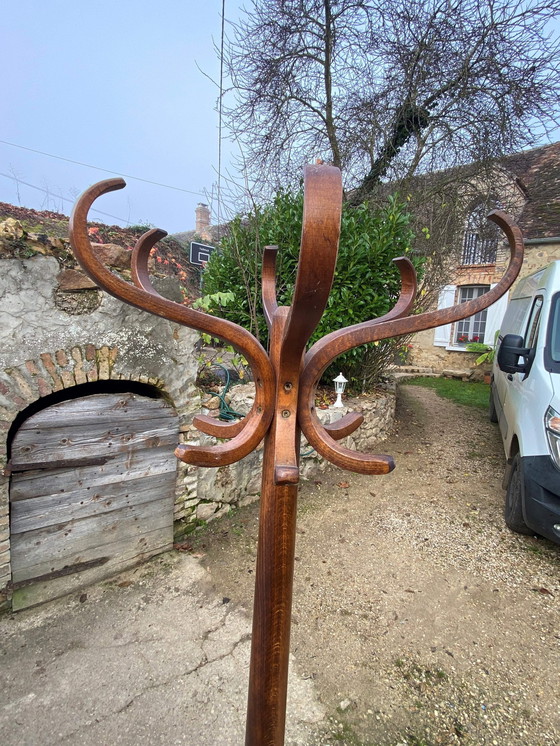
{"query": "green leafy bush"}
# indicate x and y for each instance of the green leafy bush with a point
(486, 352)
(366, 282)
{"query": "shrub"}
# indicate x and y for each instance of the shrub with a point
(366, 282)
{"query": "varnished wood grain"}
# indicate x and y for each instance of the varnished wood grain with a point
(270, 642)
(269, 283)
(344, 426)
(215, 427)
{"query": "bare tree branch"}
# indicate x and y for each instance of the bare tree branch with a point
(387, 89)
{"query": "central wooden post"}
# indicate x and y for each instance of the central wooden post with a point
(270, 643)
(270, 646)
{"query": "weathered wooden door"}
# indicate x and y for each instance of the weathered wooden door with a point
(91, 493)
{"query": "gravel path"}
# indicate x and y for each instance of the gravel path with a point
(419, 616)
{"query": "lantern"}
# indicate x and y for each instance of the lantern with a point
(339, 386)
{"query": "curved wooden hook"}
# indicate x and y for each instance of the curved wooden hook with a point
(217, 428)
(145, 297)
(407, 293)
(325, 445)
(344, 426)
(269, 283)
(322, 211)
(140, 258)
(140, 275)
(327, 349)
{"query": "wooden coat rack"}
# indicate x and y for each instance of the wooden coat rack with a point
(285, 383)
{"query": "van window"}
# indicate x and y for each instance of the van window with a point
(552, 346)
(534, 323)
(516, 313)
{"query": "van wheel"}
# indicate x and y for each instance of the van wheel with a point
(492, 414)
(513, 511)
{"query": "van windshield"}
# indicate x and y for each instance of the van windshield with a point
(554, 338)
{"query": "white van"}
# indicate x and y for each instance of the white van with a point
(525, 400)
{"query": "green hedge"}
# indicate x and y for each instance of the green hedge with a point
(366, 282)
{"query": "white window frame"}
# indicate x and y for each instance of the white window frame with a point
(494, 316)
(476, 291)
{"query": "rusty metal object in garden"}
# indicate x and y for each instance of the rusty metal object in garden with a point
(285, 382)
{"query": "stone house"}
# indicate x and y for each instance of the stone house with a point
(527, 186)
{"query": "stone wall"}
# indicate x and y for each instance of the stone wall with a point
(58, 331)
(426, 355)
(538, 256)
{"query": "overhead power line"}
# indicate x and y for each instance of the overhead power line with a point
(98, 168)
(64, 199)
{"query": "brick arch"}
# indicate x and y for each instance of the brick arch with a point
(54, 371)
(51, 372)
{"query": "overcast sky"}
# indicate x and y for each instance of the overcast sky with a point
(112, 84)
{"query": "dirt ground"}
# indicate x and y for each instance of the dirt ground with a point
(420, 617)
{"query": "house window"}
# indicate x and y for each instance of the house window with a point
(484, 324)
(472, 329)
(480, 242)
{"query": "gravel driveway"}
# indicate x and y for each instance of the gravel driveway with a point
(419, 616)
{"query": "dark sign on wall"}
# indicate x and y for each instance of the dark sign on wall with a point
(200, 253)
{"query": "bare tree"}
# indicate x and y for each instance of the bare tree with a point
(389, 88)
(16, 177)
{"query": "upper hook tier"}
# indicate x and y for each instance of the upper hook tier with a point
(285, 383)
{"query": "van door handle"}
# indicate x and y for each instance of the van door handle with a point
(510, 376)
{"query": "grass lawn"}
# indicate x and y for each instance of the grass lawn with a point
(462, 392)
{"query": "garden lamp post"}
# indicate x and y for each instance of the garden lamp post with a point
(285, 382)
(339, 386)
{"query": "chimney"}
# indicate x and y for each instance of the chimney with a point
(202, 224)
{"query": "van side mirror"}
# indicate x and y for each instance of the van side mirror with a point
(509, 353)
